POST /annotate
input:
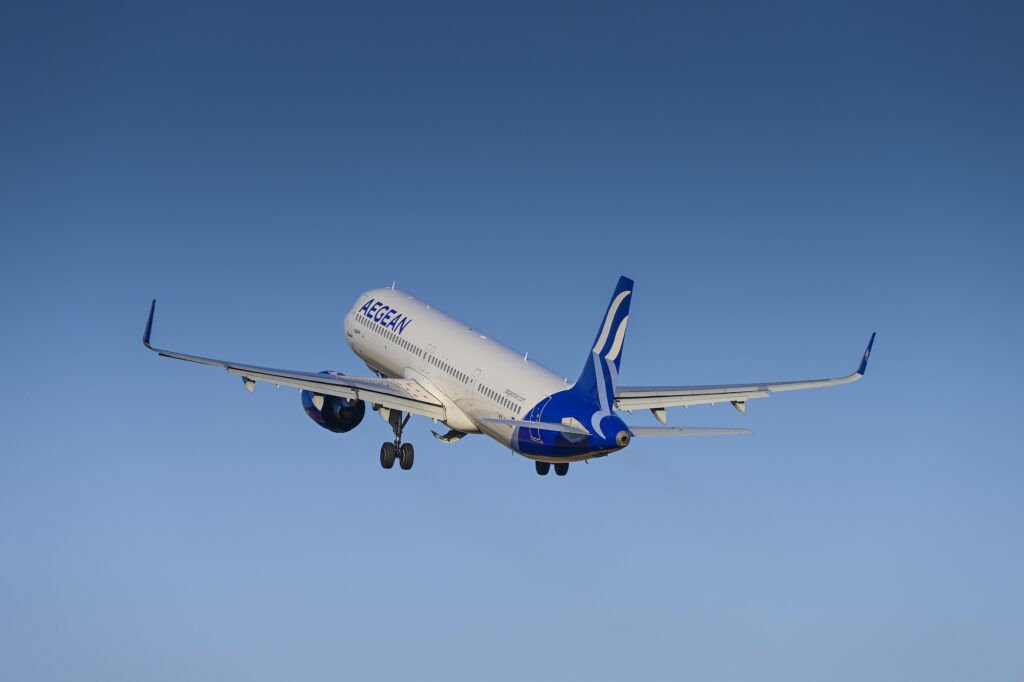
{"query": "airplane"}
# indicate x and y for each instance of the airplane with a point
(430, 364)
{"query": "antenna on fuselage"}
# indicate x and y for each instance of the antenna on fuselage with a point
(392, 285)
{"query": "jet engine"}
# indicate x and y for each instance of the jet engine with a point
(331, 412)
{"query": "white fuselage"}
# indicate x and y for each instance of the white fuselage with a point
(476, 377)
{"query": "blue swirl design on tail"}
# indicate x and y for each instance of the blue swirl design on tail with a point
(600, 375)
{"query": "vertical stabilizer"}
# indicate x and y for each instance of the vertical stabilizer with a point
(600, 373)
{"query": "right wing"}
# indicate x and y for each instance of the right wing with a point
(657, 398)
(404, 395)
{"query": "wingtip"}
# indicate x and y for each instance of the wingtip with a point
(867, 354)
(149, 326)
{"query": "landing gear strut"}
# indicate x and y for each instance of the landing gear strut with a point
(397, 449)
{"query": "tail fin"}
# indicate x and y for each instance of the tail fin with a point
(600, 373)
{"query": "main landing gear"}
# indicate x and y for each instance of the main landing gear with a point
(561, 468)
(402, 451)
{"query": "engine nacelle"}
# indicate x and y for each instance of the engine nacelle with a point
(333, 413)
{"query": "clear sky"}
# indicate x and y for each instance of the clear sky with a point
(780, 180)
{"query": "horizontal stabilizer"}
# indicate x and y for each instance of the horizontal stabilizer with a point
(642, 431)
(543, 426)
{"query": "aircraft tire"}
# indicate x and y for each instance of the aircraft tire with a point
(405, 454)
(562, 468)
(387, 455)
(542, 468)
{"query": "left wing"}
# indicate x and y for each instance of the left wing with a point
(397, 394)
(542, 426)
(657, 398)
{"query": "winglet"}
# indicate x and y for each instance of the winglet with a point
(867, 354)
(149, 326)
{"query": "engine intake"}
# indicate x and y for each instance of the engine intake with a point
(331, 412)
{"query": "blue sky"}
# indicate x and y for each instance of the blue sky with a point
(779, 180)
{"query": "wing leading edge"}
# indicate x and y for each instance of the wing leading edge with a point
(657, 398)
(398, 394)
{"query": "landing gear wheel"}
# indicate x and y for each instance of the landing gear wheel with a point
(405, 454)
(387, 455)
(562, 468)
(542, 468)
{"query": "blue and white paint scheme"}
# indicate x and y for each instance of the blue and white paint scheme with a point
(430, 364)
